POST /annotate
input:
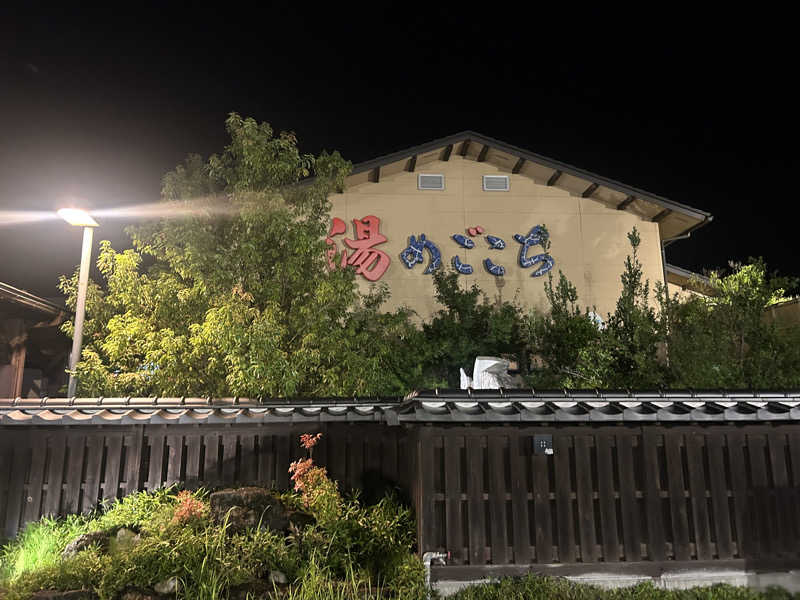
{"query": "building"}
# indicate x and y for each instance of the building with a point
(686, 283)
(33, 351)
(467, 198)
(610, 485)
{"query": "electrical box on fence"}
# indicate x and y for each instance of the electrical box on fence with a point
(542, 444)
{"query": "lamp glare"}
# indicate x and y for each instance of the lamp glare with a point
(76, 216)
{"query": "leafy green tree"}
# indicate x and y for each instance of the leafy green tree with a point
(576, 351)
(557, 337)
(627, 355)
(723, 340)
(236, 299)
(468, 325)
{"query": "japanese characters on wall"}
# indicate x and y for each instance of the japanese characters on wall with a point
(371, 263)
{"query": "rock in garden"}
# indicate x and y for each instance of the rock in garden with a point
(84, 541)
(251, 507)
(168, 586)
(278, 578)
(125, 539)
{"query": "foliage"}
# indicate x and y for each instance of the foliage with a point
(235, 298)
(351, 551)
(377, 538)
(720, 339)
(317, 492)
(83, 571)
(189, 509)
(141, 511)
(724, 340)
(534, 587)
(468, 325)
(625, 354)
(558, 336)
(39, 545)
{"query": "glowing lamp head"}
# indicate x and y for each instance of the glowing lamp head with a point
(76, 216)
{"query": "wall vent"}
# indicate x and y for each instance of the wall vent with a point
(495, 183)
(430, 182)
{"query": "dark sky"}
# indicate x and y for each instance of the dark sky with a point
(695, 107)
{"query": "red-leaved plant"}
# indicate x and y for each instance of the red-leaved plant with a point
(311, 481)
(189, 508)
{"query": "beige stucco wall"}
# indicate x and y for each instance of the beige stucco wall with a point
(589, 241)
(785, 314)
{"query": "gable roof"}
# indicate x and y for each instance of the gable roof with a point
(673, 218)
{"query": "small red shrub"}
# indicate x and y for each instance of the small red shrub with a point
(310, 480)
(308, 441)
(189, 508)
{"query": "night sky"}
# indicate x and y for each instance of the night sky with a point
(698, 108)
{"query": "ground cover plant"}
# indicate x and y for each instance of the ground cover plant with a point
(555, 588)
(171, 542)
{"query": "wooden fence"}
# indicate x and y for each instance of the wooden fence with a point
(610, 494)
(61, 470)
(606, 495)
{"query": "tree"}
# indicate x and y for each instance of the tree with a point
(467, 326)
(627, 352)
(576, 351)
(557, 337)
(236, 299)
(722, 339)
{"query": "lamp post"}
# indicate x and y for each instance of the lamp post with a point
(79, 218)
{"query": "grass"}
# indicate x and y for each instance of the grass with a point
(554, 588)
(209, 561)
(39, 546)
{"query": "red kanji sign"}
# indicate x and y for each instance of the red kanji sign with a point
(370, 262)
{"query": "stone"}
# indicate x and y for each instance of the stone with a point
(84, 541)
(278, 578)
(251, 507)
(168, 586)
(125, 540)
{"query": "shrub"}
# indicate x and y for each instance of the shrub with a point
(39, 545)
(350, 551)
(534, 587)
(144, 511)
(83, 571)
(190, 509)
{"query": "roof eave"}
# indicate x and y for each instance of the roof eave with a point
(695, 213)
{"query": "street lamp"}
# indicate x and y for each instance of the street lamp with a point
(79, 218)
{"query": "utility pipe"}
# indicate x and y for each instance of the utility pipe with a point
(427, 560)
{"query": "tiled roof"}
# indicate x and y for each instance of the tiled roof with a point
(437, 406)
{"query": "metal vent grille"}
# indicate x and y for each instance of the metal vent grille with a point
(495, 183)
(430, 182)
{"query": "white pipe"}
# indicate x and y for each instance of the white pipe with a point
(427, 559)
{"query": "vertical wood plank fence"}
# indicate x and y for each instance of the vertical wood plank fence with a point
(610, 494)
(606, 495)
(62, 470)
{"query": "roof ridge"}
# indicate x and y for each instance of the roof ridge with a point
(533, 157)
